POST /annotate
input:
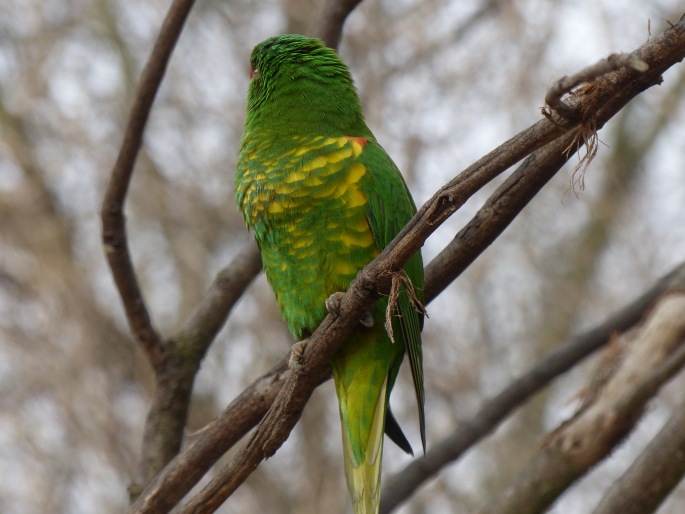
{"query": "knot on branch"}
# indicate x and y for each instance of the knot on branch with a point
(445, 205)
(565, 85)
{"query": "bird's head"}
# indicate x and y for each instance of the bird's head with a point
(297, 81)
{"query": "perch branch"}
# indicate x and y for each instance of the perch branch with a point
(612, 90)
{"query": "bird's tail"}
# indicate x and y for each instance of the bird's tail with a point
(363, 461)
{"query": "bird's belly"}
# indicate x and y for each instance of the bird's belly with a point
(309, 254)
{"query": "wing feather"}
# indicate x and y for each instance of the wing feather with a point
(389, 209)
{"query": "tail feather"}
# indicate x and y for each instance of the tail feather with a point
(363, 468)
(394, 431)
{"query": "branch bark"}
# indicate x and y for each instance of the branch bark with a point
(330, 23)
(655, 473)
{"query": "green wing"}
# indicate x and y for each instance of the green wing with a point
(389, 208)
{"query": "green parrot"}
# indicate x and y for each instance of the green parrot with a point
(323, 199)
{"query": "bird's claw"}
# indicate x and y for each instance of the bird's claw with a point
(333, 303)
(296, 354)
(366, 319)
(333, 308)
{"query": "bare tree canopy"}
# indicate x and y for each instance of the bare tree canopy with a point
(544, 146)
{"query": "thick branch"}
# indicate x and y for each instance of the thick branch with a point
(496, 214)
(655, 473)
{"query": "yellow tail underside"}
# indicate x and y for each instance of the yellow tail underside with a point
(364, 478)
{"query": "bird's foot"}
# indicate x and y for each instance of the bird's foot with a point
(333, 303)
(333, 308)
(296, 354)
(366, 319)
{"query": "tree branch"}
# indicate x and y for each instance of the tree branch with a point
(653, 475)
(647, 359)
(565, 85)
(114, 236)
(330, 23)
(496, 214)
(174, 380)
(175, 361)
(167, 415)
(186, 470)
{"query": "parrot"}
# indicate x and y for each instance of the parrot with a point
(323, 199)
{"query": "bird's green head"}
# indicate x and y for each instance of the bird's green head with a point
(298, 84)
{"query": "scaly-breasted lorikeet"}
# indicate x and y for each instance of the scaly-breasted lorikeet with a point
(323, 198)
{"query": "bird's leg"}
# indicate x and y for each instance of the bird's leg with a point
(366, 319)
(296, 354)
(333, 303)
(333, 308)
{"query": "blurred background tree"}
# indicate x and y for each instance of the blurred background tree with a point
(442, 84)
